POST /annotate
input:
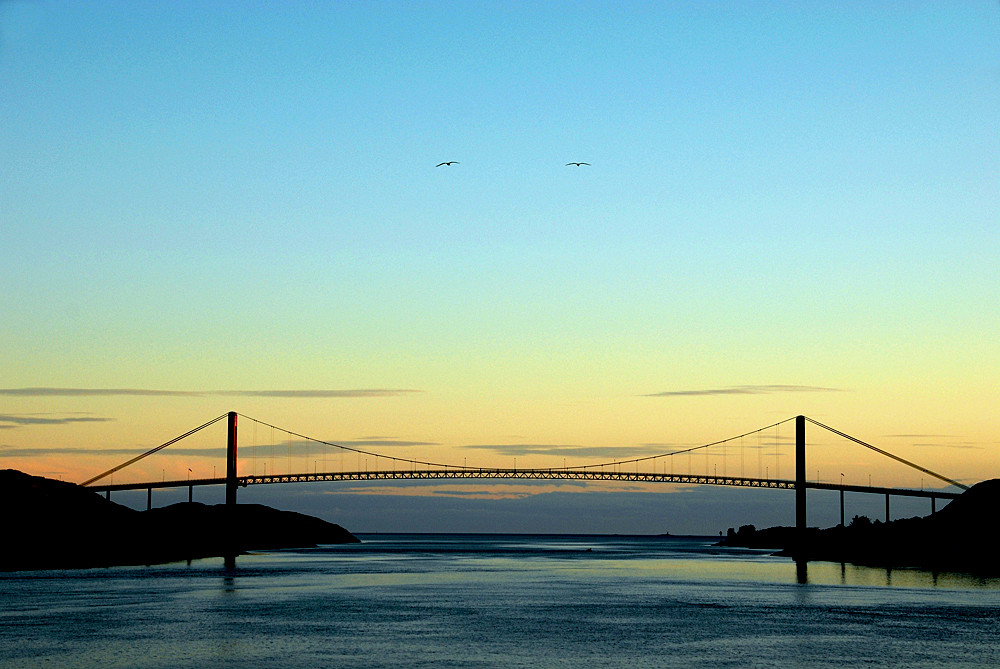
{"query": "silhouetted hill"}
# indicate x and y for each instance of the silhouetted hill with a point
(959, 537)
(52, 524)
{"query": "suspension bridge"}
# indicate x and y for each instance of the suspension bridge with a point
(638, 469)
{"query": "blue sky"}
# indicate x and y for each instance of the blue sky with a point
(200, 197)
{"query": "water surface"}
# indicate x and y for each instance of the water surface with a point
(499, 601)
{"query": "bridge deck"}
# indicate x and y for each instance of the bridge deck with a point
(572, 474)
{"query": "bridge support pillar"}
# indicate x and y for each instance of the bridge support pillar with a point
(842, 507)
(229, 532)
(933, 504)
(231, 482)
(800, 480)
(190, 494)
(149, 499)
(107, 495)
(887, 518)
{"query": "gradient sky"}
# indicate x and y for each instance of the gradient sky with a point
(791, 208)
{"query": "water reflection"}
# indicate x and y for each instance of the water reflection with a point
(673, 558)
(496, 602)
(839, 573)
(802, 572)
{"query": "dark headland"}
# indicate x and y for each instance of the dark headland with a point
(51, 524)
(961, 537)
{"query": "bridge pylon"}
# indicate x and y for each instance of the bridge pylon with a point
(800, 479)
(231, 480)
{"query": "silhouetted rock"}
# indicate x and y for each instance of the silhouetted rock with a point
(960, 537)
(750, 537)
(52, 524)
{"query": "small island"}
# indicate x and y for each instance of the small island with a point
(958, 538)
(57, 525)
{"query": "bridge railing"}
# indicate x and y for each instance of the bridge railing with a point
(527, 474)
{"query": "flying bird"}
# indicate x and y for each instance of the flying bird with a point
(577, 164)
(447, 164)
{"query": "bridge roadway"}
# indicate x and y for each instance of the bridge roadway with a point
(536, 474)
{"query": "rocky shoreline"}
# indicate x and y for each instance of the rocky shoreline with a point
(958, 538)
(57, 525)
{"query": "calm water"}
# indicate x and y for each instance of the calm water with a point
(498, 601)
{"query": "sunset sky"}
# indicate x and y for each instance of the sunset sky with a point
(790, 208)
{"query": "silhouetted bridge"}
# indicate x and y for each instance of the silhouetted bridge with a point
(422, 470)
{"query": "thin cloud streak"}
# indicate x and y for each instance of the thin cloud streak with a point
(937, 444)
(309, 446)
(151, 392)
(498, 489)
(13, 451)
(15, 420)
(358, 392)
(385, 442)
(94, 392)
(745, 390)
(565, 450)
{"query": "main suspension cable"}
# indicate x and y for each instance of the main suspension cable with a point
(684, 450)
(889, 455)
(152, 450)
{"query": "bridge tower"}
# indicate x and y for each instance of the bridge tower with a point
(800, 478)
(231, 482)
